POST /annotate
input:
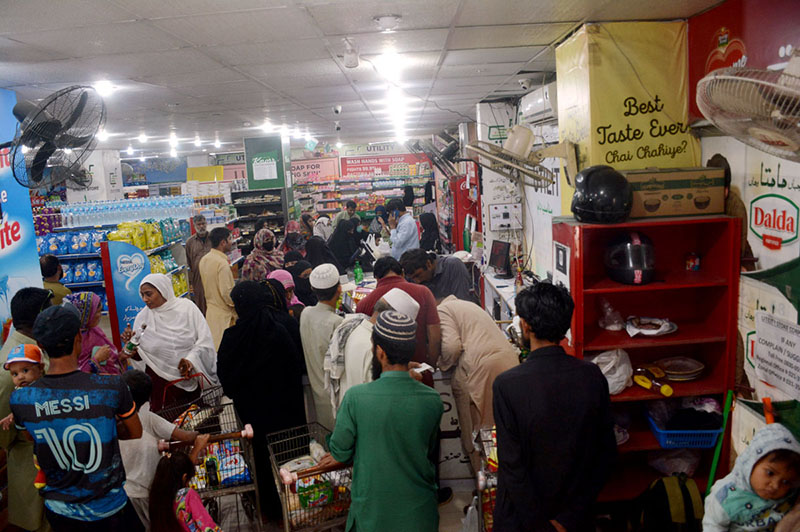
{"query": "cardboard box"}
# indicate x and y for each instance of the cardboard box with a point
(677, 192)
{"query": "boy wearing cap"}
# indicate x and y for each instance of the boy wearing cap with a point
(389, 430)
(25, 507)
(24, 364)
(317, 324)
(75, 420)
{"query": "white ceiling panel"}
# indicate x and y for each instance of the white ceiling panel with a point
(149, 64)
(398, 41)
(16, 50)
(446, 83)
(481, 12)
(637, 10)
(292, 69)
(493, 69)
(129, 37)
(309, 81)
(19, 16)
(491, 55)
(220, 90)
(180, 8)
(315, 94)
(237, 28)
(356, 17)
(272, 52)
(510, 35)
(193, 78)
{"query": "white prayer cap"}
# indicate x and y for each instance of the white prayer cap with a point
(402, 302)
(324, 276)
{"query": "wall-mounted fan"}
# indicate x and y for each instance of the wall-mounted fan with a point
(518, 161)
(441, 158)
(758, 107)
(55, 137)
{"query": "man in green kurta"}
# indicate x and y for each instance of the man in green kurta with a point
(388, 429)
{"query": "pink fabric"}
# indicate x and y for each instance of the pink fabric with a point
(287, 281)
(191, 513)
(88, 305)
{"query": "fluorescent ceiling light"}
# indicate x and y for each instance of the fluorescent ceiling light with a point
(284, 130)
(197, 141)
(217, 143)
(141, 158)
(142, 138)
(104, 87)
(129, 151)
(173, 140)
(339, 144)
(297, 134)
(102, 135)
(173, 152)
(266, 127)
(307, 137)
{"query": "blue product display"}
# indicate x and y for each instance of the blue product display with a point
(79, 274)
(94, 271)
(66, 266)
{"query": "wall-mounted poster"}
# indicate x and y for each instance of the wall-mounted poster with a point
(18, 255)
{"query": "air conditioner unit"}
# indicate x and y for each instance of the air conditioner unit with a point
(539, 105)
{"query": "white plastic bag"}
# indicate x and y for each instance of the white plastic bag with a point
(472, 521)
(616, 366)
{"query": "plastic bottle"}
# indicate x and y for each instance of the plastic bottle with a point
(358, 273)
(133, 343)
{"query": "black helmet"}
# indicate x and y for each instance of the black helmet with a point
(630, 259)
(602, 195)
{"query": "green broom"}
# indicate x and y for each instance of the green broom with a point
(718, 450)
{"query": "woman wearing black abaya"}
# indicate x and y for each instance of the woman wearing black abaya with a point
(257, 366)
(343, 244)
(301, 271)
(276, 301)
(430, 233)
(318, 252)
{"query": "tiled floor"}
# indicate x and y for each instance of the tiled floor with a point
(451, 514)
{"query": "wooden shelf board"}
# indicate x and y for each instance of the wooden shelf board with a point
(641, 439)
(672, 281)
(633, 476)
(707, 386)
(689, 334)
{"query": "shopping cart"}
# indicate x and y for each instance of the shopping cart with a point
(227, 469)
(314, 498)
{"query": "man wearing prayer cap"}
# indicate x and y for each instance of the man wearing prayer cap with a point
(317, 324)
(348, 361)
(388, 429)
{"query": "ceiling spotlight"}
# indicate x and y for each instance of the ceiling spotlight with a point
(129, 151)
(266, 126)
(387, 23)
(217, 144)
(141, 158)
(104, 87)
(197, 141)
(339, 144)
(142, 138)
(350, 54)
(173, 152)
(102, 135)
(173, 140)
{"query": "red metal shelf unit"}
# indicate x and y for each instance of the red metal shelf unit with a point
(703, 304)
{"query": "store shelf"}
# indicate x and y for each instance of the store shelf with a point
(92, 284)
(676, 280)
(162, 248)
(687, 334)
(78, 256)
(256, 203)
(641, 439)
(178, 270)
(632, 478)
(83, 228)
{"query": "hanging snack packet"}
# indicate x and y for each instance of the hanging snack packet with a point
(94, 271)
(79, 275)
(66, 266)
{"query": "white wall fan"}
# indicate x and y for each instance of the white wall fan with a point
(758, 107)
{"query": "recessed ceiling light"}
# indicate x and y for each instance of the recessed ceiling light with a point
(104, 87)
(142, 138)
(173, 140)
(266, 126)
(173, 152)
(339, 144)
(102, 135)
(141, 158)
(387, 23)
(197, 141)
(217, 143)
(129, 151)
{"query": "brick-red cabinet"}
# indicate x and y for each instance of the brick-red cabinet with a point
(702, 303)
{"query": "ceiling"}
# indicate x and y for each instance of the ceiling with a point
(217, 69)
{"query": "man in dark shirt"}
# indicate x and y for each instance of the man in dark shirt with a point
(76, 420)
(445, 275)
(555, 438)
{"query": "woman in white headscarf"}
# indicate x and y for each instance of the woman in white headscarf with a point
(176, 342)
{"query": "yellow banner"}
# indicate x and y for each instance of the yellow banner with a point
(623, 97)
(204, 173)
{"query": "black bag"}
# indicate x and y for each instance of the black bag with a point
(671, 504)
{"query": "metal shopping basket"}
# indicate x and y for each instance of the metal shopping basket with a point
(227, 468)
(319, 498)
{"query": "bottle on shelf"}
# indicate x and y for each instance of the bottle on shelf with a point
(133, 343)
(358, 273)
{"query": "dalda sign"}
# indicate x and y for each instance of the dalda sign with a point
(773, 219)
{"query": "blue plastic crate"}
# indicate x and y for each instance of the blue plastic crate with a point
(684, 439)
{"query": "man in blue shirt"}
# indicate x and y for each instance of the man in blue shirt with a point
(404, 234)
(76, 420)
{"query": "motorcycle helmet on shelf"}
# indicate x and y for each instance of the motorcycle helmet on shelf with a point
(630, 259)
(602, 195)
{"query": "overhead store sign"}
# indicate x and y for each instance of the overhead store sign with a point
(230, 158)
(305, 170)
(409, 164)
(380, 148)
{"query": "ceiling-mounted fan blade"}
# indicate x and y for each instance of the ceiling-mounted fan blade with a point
(24, 109)
(36, 170)
(73, 142)
(78, 111)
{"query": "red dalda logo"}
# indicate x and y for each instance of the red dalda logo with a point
(773, 218)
